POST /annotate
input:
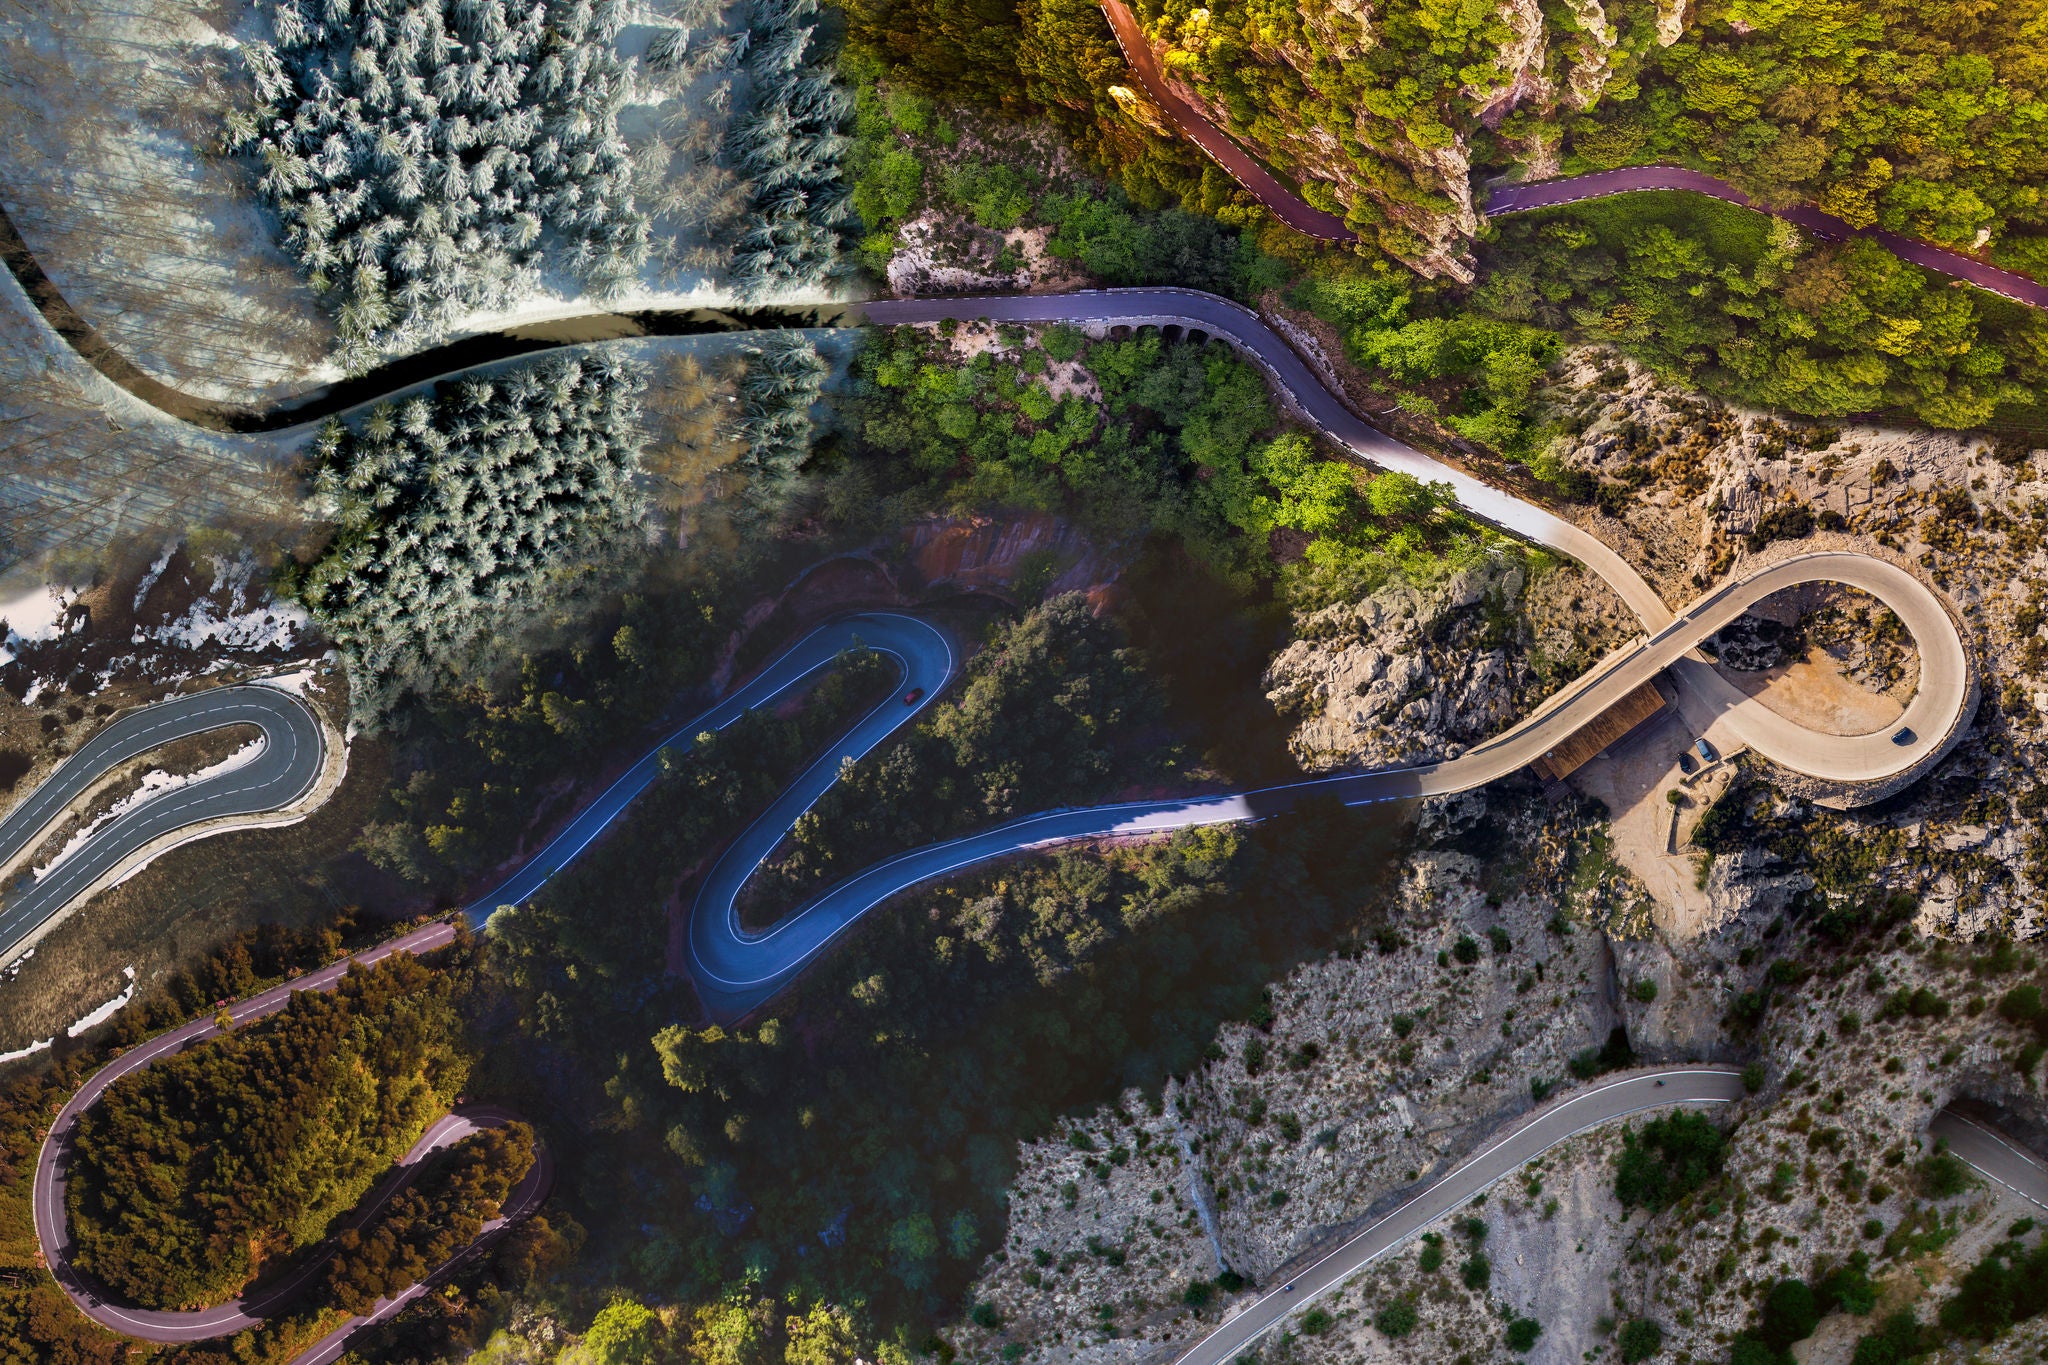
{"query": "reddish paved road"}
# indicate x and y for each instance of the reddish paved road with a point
(1290, 208)
(1284, 204)
(1634, 179)
(52, 1218)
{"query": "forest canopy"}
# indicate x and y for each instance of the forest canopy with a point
(420, 152)
(262, 1136)
(454, 509)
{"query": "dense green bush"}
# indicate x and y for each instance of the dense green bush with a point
(1521, 1334)
(1942, 1174)
(1666, 1159)
(1396, 1319)
(1640, 1339)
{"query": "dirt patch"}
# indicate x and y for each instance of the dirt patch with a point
(1813, 691)
(1634, 780)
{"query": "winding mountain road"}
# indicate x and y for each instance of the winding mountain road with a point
(736, 971)
(52, 1219)
(286, 769)
(1286, 204)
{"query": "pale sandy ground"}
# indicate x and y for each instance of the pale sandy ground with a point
(1814, 692)
(1632, 778)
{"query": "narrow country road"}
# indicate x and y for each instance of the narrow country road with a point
(52, 1221)
(1544, 194)
(1289, 207)
(1992, 1154)
(736, 971)
(1280, 200)
(294, 749)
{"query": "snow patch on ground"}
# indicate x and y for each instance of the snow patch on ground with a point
(154, 784)
(106, 1011)
(156, 571)
(31, 1050)
(236, 624)
(32, 616)
(294, 683)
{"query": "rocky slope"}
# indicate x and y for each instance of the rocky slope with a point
(1416, 673)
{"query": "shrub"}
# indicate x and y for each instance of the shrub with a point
(1790, 1313)
(1639, 1340)
(1289, 1126)
(1894, 1343)
(1254, 1056)
(1503, 943)
(1466, 949)
(1476, 1271)
(1432, 1257)
(1753, 1077)
(1230, 1281)
(2020, 1005)
(1403, 1025)
(1942, 1174)
(1848, 1286)
(1644, 991)
(1522, 1333)
(986, 1316)
(1666, 1159)
(1198, 1294)
(1315, 1322)
(1396, 1319)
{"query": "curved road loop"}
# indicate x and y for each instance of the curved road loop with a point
(52, 1221)
(294, 751)
(736, 971)
(921, 652)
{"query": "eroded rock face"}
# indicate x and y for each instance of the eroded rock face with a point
(1413, 674)
(1406, 179)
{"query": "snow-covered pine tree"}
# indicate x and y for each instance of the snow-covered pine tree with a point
(420, 152)
(456, 511)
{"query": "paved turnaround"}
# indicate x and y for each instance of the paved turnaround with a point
(52, 1221)
(294, 749)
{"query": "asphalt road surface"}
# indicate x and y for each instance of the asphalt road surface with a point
(1545, 194)
(1542, 1130)
(52, 1222)
(736, 971)
(1995, 1156)
(920, 651)
(286, 769)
